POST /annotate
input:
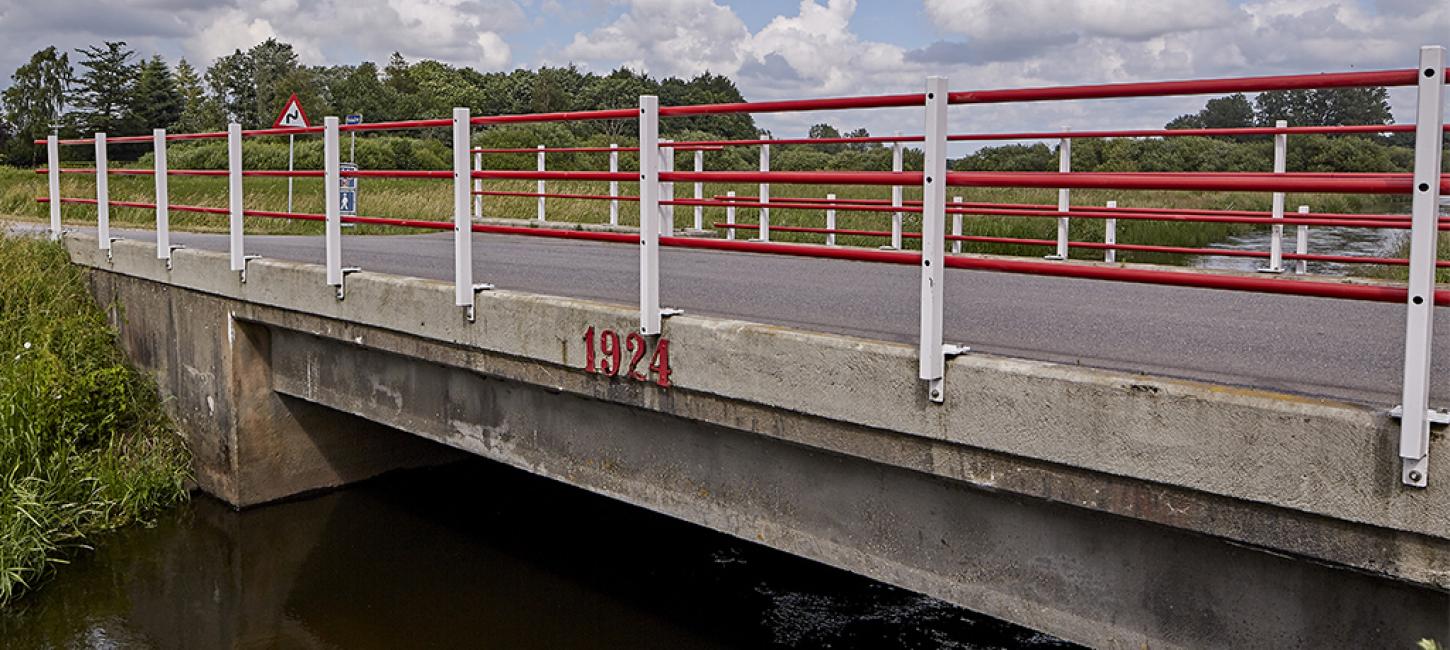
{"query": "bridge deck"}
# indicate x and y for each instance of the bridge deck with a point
(1330, 348)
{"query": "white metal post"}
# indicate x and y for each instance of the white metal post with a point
(896, 217)
(831, 219)
(477, 187)
(933, 223)
(1424, 218)
(1276, 232)
(667, 190)
(163, 196)
(291, 143)
(103, 195)
(764, 233)
(332, 198)
(1064, 197)
(1110, 235)
(462, 224)
(699, 191)
(1301, 244)
(234, 195)
(542, 184)
(52, 174)
(730, 215)
(613, 185)
(957, 225)
(649, 214)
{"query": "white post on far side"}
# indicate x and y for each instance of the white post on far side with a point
(1276, 232)
(1064, 198)
(613, 185)
(764, 232)
(699, 190)
(730, 215)
(1301, 243)
(667, 190)
(478, 186)
(1110, 235)
(542, 184)
(896, 217)
(957, 225)
(831, 220)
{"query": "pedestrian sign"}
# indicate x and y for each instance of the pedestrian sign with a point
(347, 188)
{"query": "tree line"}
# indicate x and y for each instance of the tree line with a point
(110, 90)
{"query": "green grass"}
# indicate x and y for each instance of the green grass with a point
(84, 445)
(430, 199)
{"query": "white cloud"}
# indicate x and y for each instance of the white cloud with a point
(811, 52)
(822, 53)
(226, 32)
(666, 37)
(461, 32)
(1002, 20)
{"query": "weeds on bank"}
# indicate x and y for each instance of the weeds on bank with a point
(84, 445)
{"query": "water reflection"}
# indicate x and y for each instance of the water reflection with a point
(471, 555)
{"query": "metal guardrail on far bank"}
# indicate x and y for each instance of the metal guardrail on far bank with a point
(655, 178)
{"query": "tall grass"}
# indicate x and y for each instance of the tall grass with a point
(430, 199)
(84, 445)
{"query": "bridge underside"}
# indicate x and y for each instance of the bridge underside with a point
(1110, 509)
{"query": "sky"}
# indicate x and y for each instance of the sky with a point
(810, 48)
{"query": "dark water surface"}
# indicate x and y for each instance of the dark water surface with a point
(473, 555)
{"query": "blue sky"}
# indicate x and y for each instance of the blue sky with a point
(780, 49)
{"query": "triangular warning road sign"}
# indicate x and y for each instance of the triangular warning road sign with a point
(292, 115)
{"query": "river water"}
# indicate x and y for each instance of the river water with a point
(471, 555)
(1326, 240)
(1332, 241)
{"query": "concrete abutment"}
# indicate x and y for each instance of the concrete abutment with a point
(250, 444)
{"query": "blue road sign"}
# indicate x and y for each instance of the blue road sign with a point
(352, 119)
(348, 187)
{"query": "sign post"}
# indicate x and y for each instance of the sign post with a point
(291, 117)
(355, 118)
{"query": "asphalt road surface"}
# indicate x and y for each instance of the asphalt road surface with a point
(1316, 346)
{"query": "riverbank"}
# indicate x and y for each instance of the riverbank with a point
(85, 447)
(430, 199)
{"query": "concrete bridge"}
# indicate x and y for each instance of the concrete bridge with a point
(1248, 495)
(1142, 464)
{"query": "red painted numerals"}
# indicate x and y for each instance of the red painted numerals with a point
(612, 353)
